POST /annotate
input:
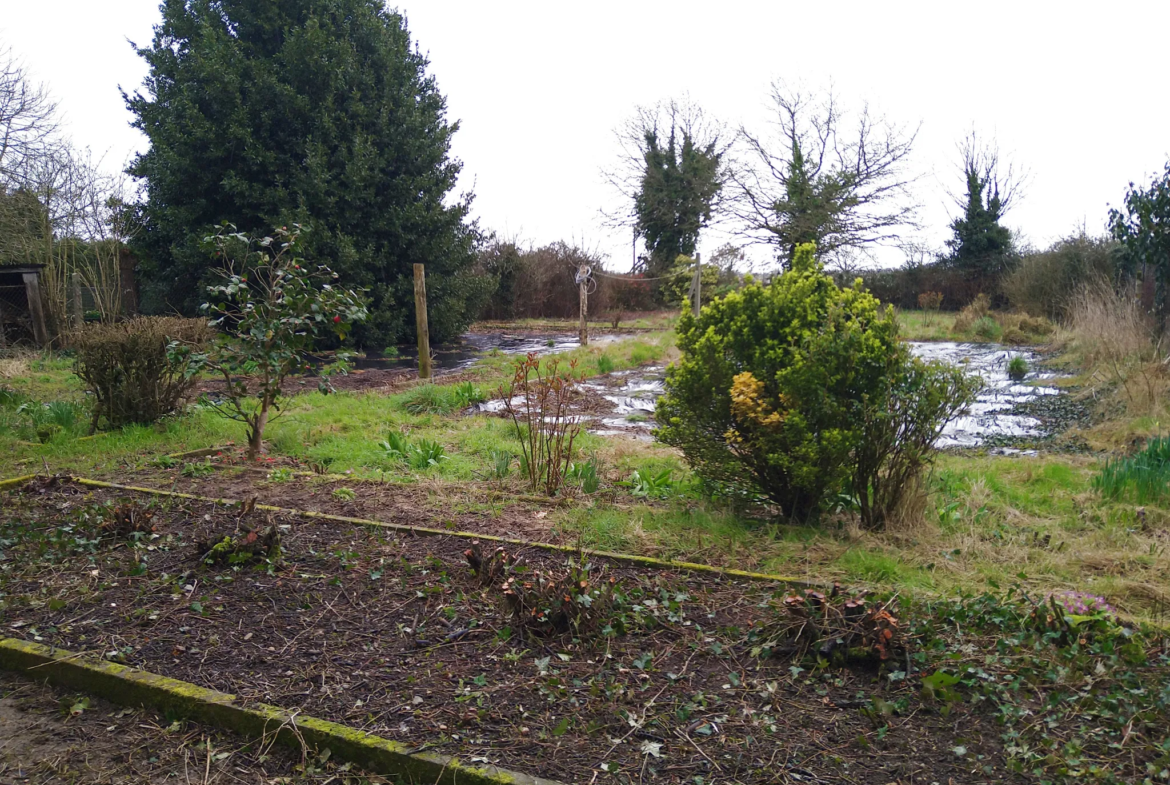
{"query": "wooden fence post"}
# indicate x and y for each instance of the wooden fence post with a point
(78, 307)
(583, 282)
(698, 282)
(420, 322)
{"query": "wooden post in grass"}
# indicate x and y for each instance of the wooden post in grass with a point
(698, 282)
(78, 308)
(420, 322)
(583, 284)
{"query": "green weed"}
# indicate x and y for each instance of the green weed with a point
(988, 329)
(501, 464)
(647, 485)
(1017, 368)
(1145, 476)
(441, 399)
(198, 469)
(584, 474)
(425, 453)
(421, 454)
(396, 445)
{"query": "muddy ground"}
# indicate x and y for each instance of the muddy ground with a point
(395, 634)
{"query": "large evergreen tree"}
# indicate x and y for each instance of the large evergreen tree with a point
(981, 246)
(318, 112)
(679, 185)
(671, 173)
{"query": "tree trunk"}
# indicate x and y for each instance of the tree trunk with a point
(256, 433)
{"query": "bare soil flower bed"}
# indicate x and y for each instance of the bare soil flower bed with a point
(658, 677)
(50, 735)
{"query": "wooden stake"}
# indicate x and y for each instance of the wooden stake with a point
(698, 282)
(420, 322)
(78, 313)
(36, 308)
(583, 278)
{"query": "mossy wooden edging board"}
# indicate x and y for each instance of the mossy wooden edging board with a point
(132, 687)
(628, 558)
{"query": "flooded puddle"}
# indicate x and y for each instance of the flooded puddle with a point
(630, 396)
(991, 415)
(634, 394)
(472, 347)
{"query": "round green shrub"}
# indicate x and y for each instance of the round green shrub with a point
(798, 390)
(987, 328)
(767, 394)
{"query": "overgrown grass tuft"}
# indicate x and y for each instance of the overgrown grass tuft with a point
(1144, 477)
(441, 399)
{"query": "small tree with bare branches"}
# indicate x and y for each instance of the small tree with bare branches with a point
(672, 172)
(823, 176)
(28, 117)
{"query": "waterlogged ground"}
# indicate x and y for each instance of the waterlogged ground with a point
(471, 347)
(996, 415)
(622, 403)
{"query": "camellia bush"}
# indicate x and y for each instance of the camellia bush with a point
(800, 391)
(274, 308)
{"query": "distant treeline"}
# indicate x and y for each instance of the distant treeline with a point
(1039, 282)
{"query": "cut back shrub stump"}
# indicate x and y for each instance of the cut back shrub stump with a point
(128, 370)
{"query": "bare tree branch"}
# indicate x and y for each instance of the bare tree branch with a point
(1002, 178)
(822, 176)
(28, 117)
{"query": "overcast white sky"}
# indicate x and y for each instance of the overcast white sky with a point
(1074, 91)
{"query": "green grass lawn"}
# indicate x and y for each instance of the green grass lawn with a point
(342, 430)
(926, 325)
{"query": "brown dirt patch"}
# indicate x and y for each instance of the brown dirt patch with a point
(391, 633)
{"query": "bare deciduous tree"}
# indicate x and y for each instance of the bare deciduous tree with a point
(823, 175)
(28, 117)
(1001, 178)
(59, 207)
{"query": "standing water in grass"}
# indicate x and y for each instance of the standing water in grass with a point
(632, 395)
(992, 415)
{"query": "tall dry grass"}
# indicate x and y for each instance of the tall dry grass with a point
(1118, 345)
(14, 365)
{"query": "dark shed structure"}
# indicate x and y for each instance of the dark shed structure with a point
(22, 310)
